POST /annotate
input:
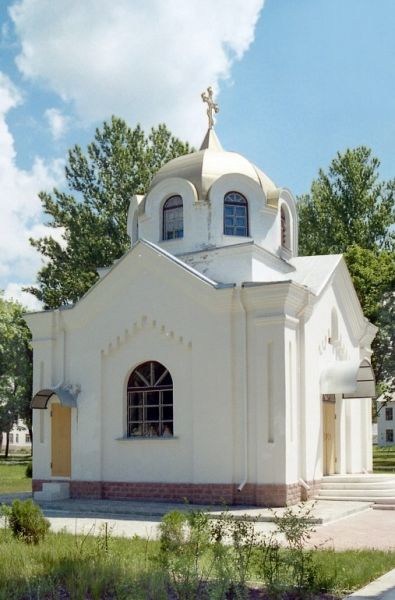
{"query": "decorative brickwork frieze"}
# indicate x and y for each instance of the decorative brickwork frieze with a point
(198, 493)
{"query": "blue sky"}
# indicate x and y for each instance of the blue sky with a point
(296, 81)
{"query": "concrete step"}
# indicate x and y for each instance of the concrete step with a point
(366, 485)
(53, 491)
(384, 506)
(371, 499)
(360, 491)
(361, 478)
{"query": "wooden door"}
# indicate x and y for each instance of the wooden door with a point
(329, 437)
(61, 440)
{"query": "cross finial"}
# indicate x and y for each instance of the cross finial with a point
(212, 107)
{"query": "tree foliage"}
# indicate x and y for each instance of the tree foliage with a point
(15, 366)
(347, 205)
(349, 210)
(92, 215)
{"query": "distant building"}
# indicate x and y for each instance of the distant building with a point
(386, 421)
(19, 437)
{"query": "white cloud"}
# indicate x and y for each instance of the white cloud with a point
(14, 291)
(57, 122)
(145, 61)
(20, 207)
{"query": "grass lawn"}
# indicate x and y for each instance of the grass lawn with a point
(384, 459)
(12, 474)
(67, 566)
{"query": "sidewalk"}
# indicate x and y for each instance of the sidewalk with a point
(381, 589)
(322, 511)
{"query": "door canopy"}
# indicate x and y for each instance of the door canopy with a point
(353, 379)
(66, 394)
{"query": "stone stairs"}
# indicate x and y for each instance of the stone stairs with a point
(379, 490)
(52, 491)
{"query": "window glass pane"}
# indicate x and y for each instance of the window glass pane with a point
(152, 399)
(135, 414)
(167, 397)
(167, 430)
(167, 413)
(173, 226)
(136, 398)
(235, 214)
(135, 429)
(153, 414)
(152, 429)
(173, 202)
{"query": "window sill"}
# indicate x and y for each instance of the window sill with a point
(145, 438)
(247, 238)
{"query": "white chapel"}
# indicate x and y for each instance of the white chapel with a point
(210, 363)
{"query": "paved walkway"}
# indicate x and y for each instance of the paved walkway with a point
(381, 589)
(367, 529)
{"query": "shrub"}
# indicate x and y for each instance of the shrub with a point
(27, 521)
(184, 541)
(29, 470)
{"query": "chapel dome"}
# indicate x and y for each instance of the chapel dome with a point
(209, 163)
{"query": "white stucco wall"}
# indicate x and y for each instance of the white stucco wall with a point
(353, 416)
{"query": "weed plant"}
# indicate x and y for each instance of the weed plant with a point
(196, 557)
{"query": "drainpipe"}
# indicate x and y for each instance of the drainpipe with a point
(244, 380)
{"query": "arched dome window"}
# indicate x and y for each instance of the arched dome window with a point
(235, 214)
(173, 220)
(150, 401)
(285, 228)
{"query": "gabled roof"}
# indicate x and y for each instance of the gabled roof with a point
(158, 250)
(314, 271)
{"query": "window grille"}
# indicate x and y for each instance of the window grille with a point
(173, 220)
(235, 214)
(150, 401)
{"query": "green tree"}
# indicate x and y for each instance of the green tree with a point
(15, 367)
(347, 205)
(119, 163)
(350, 211)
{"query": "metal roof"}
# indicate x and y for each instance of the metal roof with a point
(66, 395)
(352, 378)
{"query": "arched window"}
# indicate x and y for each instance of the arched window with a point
(150, 401)
(173, 221)
(285, 228)
(235, 214)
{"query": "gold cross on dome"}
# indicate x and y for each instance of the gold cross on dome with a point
(212, 107)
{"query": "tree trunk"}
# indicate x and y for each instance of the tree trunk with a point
(7, 445)
(1, 440)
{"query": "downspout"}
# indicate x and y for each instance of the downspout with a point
(244, 380)
(301, 316)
